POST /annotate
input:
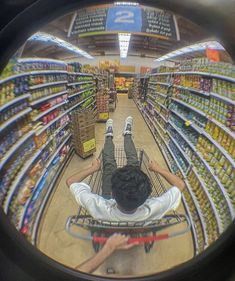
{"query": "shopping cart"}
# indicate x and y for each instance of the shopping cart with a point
(144, 232)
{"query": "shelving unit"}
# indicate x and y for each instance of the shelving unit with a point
(46, 197)
(150, 99)
(8, 104)
(66, 105)
(14, 118)
(47, 98)
(16, 146)
(47, 84)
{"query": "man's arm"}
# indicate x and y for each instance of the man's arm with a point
(115, 242)
(80, 176)
(171, 178)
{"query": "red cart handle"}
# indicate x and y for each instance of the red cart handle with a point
(140, 240)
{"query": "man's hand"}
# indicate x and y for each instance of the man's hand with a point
(118, 242)
(96, 164)
(154, 167)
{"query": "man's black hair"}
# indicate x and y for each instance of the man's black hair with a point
(130, 187)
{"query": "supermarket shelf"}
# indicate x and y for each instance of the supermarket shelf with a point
(57, 151)
(47, 72)
(158, 113)
(195, 240)
(189, 106)
(220, 125)
(213, 75)
(179, 148)
(150, 118)
(160, 104)
(195, 127)
(230, 79)
(149, 101)
(50, 123)
(44, 201)
(14, 118)
(161, 94)
(13, 77)
(219, 184)
(199, 211)
(155, 119)
(221, 149)
(80, 74)
(211, 201)
(80, 92)
(192, 90)
(47, 84)
(47, 111)
(91, 104)
(175, 159)
(17, 145)
(6, 105)
(223, 98)
(160, 73)
(19, 178)
(183, 136)
(150, 88)
(80, 82)
(47, 98)
(23, 60)
(70, 109)
(38, 181)
(163, 83)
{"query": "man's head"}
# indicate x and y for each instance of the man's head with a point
(130, 187)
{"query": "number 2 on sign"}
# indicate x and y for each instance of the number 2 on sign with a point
(124, 17)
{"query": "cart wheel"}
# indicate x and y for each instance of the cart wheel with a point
(148, 245)
(96, 246)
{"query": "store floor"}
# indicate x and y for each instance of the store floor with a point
(55, 242)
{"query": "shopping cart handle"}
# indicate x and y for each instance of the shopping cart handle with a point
(139, 240)
(68, 226)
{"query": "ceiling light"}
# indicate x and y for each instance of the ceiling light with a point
(41, 36)
(126, 3)
(192, 48)
(124, 40)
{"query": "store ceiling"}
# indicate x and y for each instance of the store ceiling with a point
(99, 45)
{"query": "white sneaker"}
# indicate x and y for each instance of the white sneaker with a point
(109, 128)
(128, 126)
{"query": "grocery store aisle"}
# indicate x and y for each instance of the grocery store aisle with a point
(57, 244)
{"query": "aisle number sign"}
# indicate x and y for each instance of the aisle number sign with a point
(89, 145)
(110, 18)
(124, 19)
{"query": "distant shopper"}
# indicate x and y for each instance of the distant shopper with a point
(126, 190)
(114, 242)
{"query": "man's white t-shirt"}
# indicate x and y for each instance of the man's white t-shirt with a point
(99, 208)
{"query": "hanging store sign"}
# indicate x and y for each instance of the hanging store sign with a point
(105, 19)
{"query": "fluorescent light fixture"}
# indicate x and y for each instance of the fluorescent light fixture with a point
(45, 37)
(192, 48)
(124, 40)
(126, 3)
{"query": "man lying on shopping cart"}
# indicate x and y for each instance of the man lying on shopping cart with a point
(126, 190)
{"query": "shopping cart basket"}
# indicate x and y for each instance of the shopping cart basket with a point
(144, 232)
